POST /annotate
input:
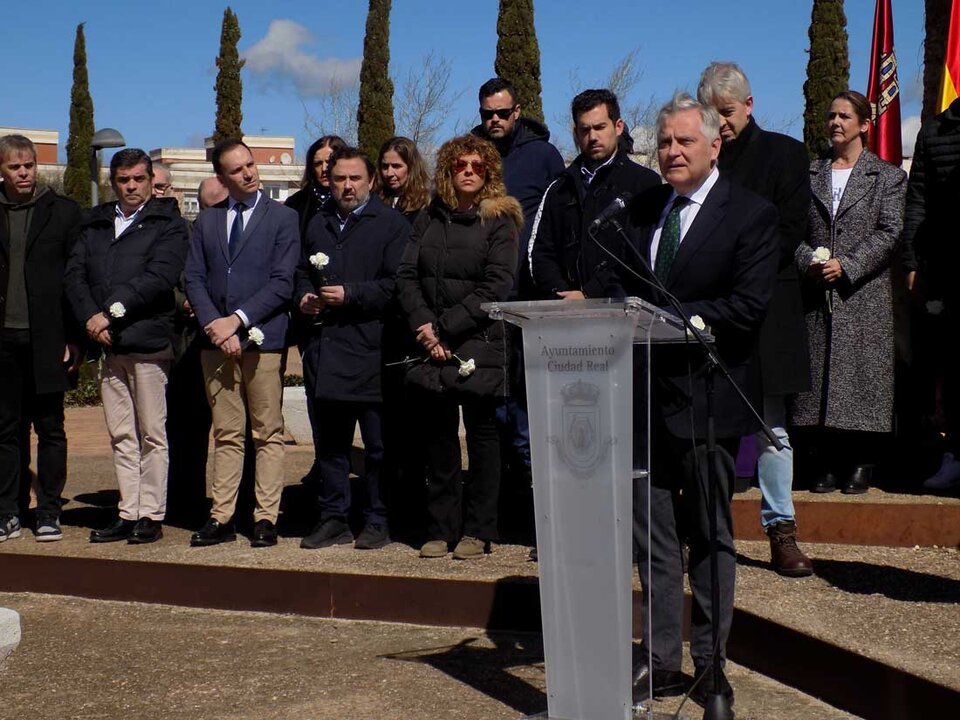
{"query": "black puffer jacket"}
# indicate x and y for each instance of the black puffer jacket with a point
(139, 270)
(454, 262)
(932, 192)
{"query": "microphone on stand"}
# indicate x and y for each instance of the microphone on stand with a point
(611, 212)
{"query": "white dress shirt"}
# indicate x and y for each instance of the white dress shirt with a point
(687, 213)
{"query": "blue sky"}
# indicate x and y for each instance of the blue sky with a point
(152, 66)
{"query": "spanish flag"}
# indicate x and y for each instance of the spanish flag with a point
(950, 84)
(883, 88)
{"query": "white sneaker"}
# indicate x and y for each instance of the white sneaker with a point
(9, 528)
(948, 476)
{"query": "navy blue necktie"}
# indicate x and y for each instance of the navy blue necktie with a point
(236, 230)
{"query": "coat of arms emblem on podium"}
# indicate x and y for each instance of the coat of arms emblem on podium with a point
(581, 446)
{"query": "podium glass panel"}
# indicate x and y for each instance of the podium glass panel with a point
(582, 399)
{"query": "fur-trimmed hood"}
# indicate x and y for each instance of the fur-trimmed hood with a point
(504, 206)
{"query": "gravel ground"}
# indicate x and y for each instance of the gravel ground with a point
(897, 605)
(88, 659)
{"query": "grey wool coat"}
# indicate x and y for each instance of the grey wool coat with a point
(850, 326)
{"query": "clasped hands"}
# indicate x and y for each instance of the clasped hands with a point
(312, 303)
(826, 272)
(222, 332)
(98, 329)
(427, 337)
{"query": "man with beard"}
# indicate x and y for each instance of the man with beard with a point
(346, 282)
(565, 262)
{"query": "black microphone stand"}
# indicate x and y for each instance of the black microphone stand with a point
(717, 706)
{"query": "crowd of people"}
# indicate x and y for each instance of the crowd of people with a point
(377, 273)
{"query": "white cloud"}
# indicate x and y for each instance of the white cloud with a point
(909, 127)
(280, 56)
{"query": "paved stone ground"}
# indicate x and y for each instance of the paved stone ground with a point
(86, 660)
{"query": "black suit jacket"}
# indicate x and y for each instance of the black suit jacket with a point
(724, 272)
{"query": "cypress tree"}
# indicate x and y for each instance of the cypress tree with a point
(936, 23)
(518, 54)
(229, 86)
(828, 70)
(375, 110)
(76, 176)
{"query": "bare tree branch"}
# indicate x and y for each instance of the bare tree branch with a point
(334, 112)
(425, 102)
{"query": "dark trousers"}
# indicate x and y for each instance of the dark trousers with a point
(21, 406)
(447, 492)
(335, 423)
(678, 510)
(188, 435)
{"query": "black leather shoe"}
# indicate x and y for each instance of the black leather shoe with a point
(824, 483)
(373, 537)
(332, 531)
(264, 534)
(859, 481)
(666, 683)
(213, 533)
(705, 688)
(120, 529)
(145, 531)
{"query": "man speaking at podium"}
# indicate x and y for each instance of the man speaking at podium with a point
(713, 245)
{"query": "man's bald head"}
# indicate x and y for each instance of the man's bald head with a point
(211, 192)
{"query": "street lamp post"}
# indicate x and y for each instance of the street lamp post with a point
(105, 138)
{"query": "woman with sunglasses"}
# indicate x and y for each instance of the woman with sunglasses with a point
(462, 253)
(402, 180)
(315, 186)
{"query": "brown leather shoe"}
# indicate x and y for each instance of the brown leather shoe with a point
(785, 557)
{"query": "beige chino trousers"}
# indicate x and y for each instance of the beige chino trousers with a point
(253, 383)
(133, 390)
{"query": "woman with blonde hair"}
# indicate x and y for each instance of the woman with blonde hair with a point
(462, 253)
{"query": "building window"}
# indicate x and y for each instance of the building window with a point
(274, 192)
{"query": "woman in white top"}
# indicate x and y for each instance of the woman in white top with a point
(854, 228)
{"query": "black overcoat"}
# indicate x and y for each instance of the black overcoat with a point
(54, 228)
(775, 167)
(342, 354)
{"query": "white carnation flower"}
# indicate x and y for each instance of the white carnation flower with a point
(698, 323)
(319, 260)
(467, 368)
(256, 336)
(821, 254)
(117, 310)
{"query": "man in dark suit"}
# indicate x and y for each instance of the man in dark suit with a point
(38, 338)
(713, 245)
(348, 297)
(239, 280)
(777, 168)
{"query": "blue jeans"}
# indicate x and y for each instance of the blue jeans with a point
(775, 468)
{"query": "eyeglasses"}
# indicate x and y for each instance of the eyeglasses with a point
(478, 166)
(502, 113)
(162, 187)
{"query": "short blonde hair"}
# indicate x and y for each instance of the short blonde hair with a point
(456, 148)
